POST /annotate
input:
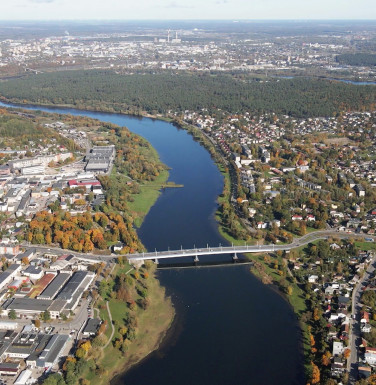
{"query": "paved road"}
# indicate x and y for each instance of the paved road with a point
(355, 334)
(297, 242)
(241, 249)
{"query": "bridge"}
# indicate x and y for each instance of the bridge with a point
(197, 253)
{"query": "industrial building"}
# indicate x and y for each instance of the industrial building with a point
(100, 159)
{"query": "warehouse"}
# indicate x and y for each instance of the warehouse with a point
(52, 352)
(27, 306)
(54, 287)
(73, 285)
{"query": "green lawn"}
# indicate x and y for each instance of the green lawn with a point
(366, 245)
(143, 201)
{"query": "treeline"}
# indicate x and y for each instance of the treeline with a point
(164, 92)
(357, 59)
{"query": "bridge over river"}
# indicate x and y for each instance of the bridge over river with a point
(196, 253)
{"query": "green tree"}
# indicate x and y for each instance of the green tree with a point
(12, 314)
(46, 316)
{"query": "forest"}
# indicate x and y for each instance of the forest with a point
(159, 93)
(357, 59)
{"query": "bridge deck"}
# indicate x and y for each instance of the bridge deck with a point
(196, 252)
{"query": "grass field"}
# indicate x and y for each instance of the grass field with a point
(143, 201)
(152, 326)
(366, 245)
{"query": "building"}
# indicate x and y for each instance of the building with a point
(52, 352)
(337, 349)
(12, 249)
(370, 356)
(91, 327)
(8, 325)
(100, 159)
(34, 273)
(27, 306)
(24, 377)
(8, 275)
(33, 170)
(9, 368)
(51, 291)
(359, 189)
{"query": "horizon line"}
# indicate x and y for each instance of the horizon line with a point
(234, 20)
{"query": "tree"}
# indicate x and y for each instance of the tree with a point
(46, 316)
(100, 371)
(315, 374)
(326, 358)
(80, 353)
(99, 341)
(12, 314)
(346, 353)
(330, 381)
(25, 261)
(86, 346)
(37, 323)
(54, 379)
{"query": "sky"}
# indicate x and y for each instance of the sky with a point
(189, 9)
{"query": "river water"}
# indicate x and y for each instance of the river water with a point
(230, 328)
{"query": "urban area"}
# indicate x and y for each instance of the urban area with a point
(305, 181)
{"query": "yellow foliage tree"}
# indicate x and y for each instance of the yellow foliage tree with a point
(315, 374)
(325, 360)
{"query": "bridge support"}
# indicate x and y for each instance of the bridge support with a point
(156, 261)
(196, 259)
(235, 257)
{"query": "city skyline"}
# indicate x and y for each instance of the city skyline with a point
(194, 9)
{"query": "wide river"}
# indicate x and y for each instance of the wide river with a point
(230, 329)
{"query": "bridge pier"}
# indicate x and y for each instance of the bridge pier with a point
(235, 257)
(195, 260)
(156, 261)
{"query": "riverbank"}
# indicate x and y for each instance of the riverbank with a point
(152, 325)
(235, 305)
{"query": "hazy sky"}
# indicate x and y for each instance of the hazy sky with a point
(190, 9)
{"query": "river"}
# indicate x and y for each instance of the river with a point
(230, 329)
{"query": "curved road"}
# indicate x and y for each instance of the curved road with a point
(304, 240)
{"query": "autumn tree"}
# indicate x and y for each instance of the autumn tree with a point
(325, 360)
(315, 374)
(25, 261)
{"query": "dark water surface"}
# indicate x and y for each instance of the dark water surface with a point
(230, 329)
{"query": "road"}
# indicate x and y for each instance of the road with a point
(64, 327)
(355, 334)
(297, 242)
